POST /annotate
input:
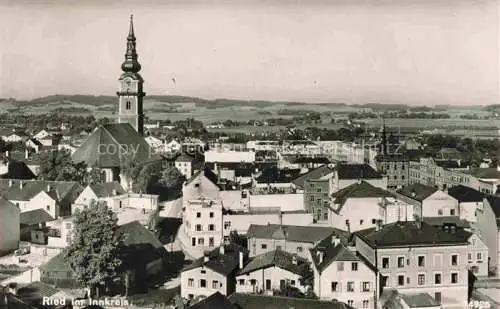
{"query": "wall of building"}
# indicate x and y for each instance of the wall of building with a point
(440, 204)
(229, 156)
(43, 201)
(196, 289)
(487, 226)
(286, 202)
(242, 221)
(477, 256)
(364, 277)
(357, 214)
(195, 216)
(274, 274)
(10, 231)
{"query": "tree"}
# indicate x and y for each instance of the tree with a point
(94, 253)
(129, 169)
(58, 165)
(171, 178)
(95, 175)
(147, 176)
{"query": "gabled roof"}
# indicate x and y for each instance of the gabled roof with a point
(102, 148)
(485, 173)
(137, 234)
(252, 301)
(10, 301)
(310, 234)
(357, 171)
(419, 300)
(359, 190)
(223, 264)
(66, 191)
(407, 234)
(331, 252)
(184, 158)
(312, 174)
(209, 174)
(35, 216)
(417, 191)
(106, 189)
(214, 301)
(35, 292)
(465, 194)
(276, 258)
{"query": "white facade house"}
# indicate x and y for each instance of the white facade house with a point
(184, 164)
(477, 254)
(202, 223)
(272, 271)
(429, 201)
(173, 146)
(340, 274)
(155, 143)
(66, 230)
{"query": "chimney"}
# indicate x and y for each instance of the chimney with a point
(241, 259)
(413, 193)
(10, 183)
(320, 256)
(114, 192)
(26, 154)
(12, 288)
(48, 187)
(294, 260)
(222, 250)
(21, 184)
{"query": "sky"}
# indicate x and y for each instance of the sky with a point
(417, 52)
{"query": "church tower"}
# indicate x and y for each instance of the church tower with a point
(130, 94)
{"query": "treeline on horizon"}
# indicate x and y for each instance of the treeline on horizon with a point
(221, 103)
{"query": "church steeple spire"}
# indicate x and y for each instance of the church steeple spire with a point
(384, 138)
(131, 65)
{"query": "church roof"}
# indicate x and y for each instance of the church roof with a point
(102, 148)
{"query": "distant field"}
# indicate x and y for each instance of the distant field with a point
(430, 124)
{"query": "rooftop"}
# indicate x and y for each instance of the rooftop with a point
(310, 234)
(223, 264)
(312, 174)
(107, 189)
(417, 191)
(360, 189)
(465, 194)
(250, 301)
(35, 216)
(357, 171)
(276, 258)
(331, 252)
(214, 301)
(409, 233)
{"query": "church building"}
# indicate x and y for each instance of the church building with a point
(112, 144)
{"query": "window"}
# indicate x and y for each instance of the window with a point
(350, 302)
(263, 246)
(68, 239)
(437, 278)
(227, 224)
(203, 283)
(350, 286)
(253, 281)
(211, 227)
(191, 282)
(366, 303)
(201, 241)
(454, 277)
(198, 227)
(299, 249)
(401, 280)
(335, 286)
(241, 282)
(215, 284)
(469, 256)
(421, 279)
(325, 215)
(440, 212)
(211, 215)
(401, 262)
(454, 260)
(48, 207)
(346, 222)
(452, 212)
(479, 256)
(68, 226)
(354, 266)
(203, 271)
(196, 185)
(128, 105)
(340, 266)
(421, 261)
(292, 282)
(360, 222)
(366, 286)
(385, 262)
(198, 215)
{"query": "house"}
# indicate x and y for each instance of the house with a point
(252, 301)
(107, 146)
(272, 271)
(202, 224)
(392, 299)
(203, 184)
(290, 238)
(33, 225)
(61, 233)
(34, 144)
(477, 253)
(16, 137)
(347, 174)
(9, 226)
(395, 167)
(273, 179)
(100, 192)
(449, 154)
(184, 163)
(341, 275)
(155, 143)
(429, 201)
(214, 272)
(488, 225)
(55, 197)
(42, 134)
(142, 255)
(323, 172)
(469, 201)
(173, 146)
(361, 205)
(415, 257)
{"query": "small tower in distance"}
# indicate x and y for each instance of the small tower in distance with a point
(130, 93)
